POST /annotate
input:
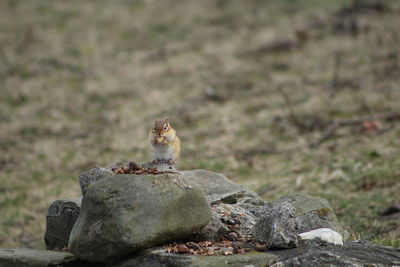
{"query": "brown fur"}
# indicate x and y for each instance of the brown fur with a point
(163, 137)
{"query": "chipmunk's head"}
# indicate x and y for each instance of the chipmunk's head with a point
(161, 129)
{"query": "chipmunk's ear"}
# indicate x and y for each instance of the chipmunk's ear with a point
(166, 120)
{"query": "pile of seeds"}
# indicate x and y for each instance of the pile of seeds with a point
(134, 168)
(209, 248)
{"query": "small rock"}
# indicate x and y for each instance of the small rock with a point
(232, 236)
(227, 251)
(182, 248)
(193, 245)
(324, 234)
(278, 227)
(260, 247)
(61, 217)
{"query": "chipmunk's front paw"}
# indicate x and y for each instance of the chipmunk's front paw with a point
(165, 142)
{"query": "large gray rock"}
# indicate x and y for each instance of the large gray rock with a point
(34, 258)
(124, 213)
(61, 217)
(288, 216)
(235, 208)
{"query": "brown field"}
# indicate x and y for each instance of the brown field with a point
(281, 96)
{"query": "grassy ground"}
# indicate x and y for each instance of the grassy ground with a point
(251, 87)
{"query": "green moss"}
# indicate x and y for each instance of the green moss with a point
(324, 213)
(395, 242)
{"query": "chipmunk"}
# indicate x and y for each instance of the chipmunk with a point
(166, 144)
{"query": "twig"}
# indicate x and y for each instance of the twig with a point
(244, 154)
(289, 106)
(327, 134)
(251, 152)
(336, 71)
(263, 151)
(261, 191)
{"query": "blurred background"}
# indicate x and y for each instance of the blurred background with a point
(282, 96)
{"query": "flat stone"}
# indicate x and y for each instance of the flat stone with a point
(156, 257)
(34, 258)
(96, 174)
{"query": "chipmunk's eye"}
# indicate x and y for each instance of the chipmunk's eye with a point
(165, 128)
(154, 130)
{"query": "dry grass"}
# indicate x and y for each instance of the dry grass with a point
(82, 82)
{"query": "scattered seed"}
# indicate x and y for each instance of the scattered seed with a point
(193, 245)
(260, 247)
(232, 236)
(182, 248)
